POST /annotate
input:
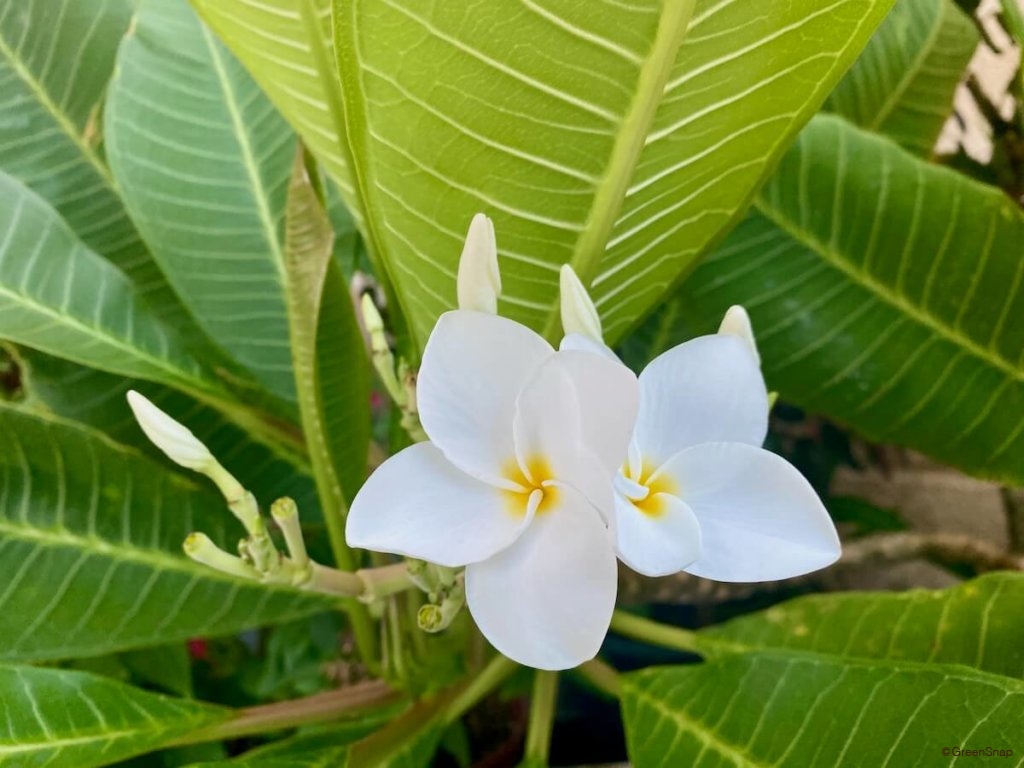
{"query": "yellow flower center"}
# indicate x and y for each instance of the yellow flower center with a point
(533, 477)
(651, 504)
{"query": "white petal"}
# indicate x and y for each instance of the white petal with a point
(579, 315)
(737, 323)
(479, 281)
(581, 343)
(608, 394)
(656, 543)
(473, 369)
(708, 389)
(547, 421)
(171, 437)
(760, 520)
(418, 504)
(547, 600)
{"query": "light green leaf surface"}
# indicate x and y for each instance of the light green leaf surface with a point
(903, 83)
(977, 624)
(90, 549)
(56, 57)
(583, 129)
(886, 293)
(56, 717)
(799, 709)
(97, 400)
(330, 359)
(203, 159)
(58, 296)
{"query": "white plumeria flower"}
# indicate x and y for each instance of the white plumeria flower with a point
(522, 451)
(697, 493)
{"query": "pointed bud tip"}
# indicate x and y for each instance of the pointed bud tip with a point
(479, 280)
(175, 440)
(371, 315)
(579, 315)
(736, 322)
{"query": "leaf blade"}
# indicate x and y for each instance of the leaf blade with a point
(99, 531)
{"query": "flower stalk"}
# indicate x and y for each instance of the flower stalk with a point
(543, 701)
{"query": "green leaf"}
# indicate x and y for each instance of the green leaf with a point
(56, 57)
(408, 741)
(59, 717)
(903, 83)
(90, 549)
(329, 354)
(797, 709)
(976, 624)
(97, 400)
(204, 161)
(587, 132)
(886, 293)
(58, 296)
(286, 45)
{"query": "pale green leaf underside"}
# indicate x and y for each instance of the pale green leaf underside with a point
(56, 717)
(90, 549)
(56, 57)
(526, 111)
(799, 709)
(977, 624)
(97, 399)
(58, 296)
(885, 292)
(903, 83)
(203, 159)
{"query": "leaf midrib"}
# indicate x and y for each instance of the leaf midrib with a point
(260, 194)
(911, 72)
(629, 142)
(883, 292)
(63, 120)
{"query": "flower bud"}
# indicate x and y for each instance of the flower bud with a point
(479, 281)
(200, 548)
(174, 439)
(579, 315)
(737, 323)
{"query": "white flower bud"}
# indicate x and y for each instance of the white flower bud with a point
(479, 281)
(174, 439)
(737, 323)
(579, 315)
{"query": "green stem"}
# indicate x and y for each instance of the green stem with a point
(319, 708)
(652, 632)
(542, 718)
(602, 676)
(490, 677)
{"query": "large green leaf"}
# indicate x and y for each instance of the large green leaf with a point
(56, 57)
(204, 159)
(90, 549)
(903, 83)
(977, 624)
(55, 717)
(322, 748)
(97, 399)
(885, 292)
(330, 360)
(798, 709)
(585, 130)
(60, 297)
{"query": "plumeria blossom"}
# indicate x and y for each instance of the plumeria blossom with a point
(516, 482)
(696, 492)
